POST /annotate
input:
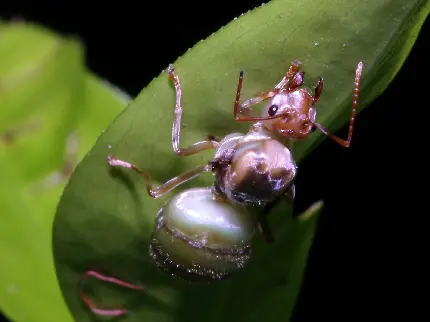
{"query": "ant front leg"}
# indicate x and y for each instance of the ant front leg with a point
(166, 187)
(209, 143)
(344, 143)
(245, 106)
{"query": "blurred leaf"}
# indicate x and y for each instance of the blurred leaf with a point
(45, 93)
(41, 94)
(105, 218)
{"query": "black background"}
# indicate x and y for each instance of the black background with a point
(362, 249)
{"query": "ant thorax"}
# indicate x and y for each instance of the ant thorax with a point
(253, 168)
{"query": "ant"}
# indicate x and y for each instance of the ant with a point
(256, 168)
(252, 169)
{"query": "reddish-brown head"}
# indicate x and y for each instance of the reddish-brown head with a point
(296, 116)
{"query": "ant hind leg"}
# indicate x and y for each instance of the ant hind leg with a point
(105, 312)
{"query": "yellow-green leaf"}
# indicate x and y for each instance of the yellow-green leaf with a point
(45, 94)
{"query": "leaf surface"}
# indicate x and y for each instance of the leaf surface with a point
(104, 219)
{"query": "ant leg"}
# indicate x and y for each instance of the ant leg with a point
(105, 312)
(265, 95)
(294, 67)
(240, 108)
(165, 187)
(209, 143)
(318, 91)
(347, 143)
(263, 224)
(291, 192)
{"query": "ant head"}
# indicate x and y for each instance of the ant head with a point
(291, 114)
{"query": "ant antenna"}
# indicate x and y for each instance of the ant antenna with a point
(238, 108)
(347, 143)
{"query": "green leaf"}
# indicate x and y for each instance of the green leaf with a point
(104, 220)
(41, 93)
(45, 93)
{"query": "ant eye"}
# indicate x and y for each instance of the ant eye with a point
(272, 110)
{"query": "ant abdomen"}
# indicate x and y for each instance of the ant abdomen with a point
(255, 171)
(200, 238)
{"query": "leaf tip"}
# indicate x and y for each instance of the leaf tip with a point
(311, 211)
